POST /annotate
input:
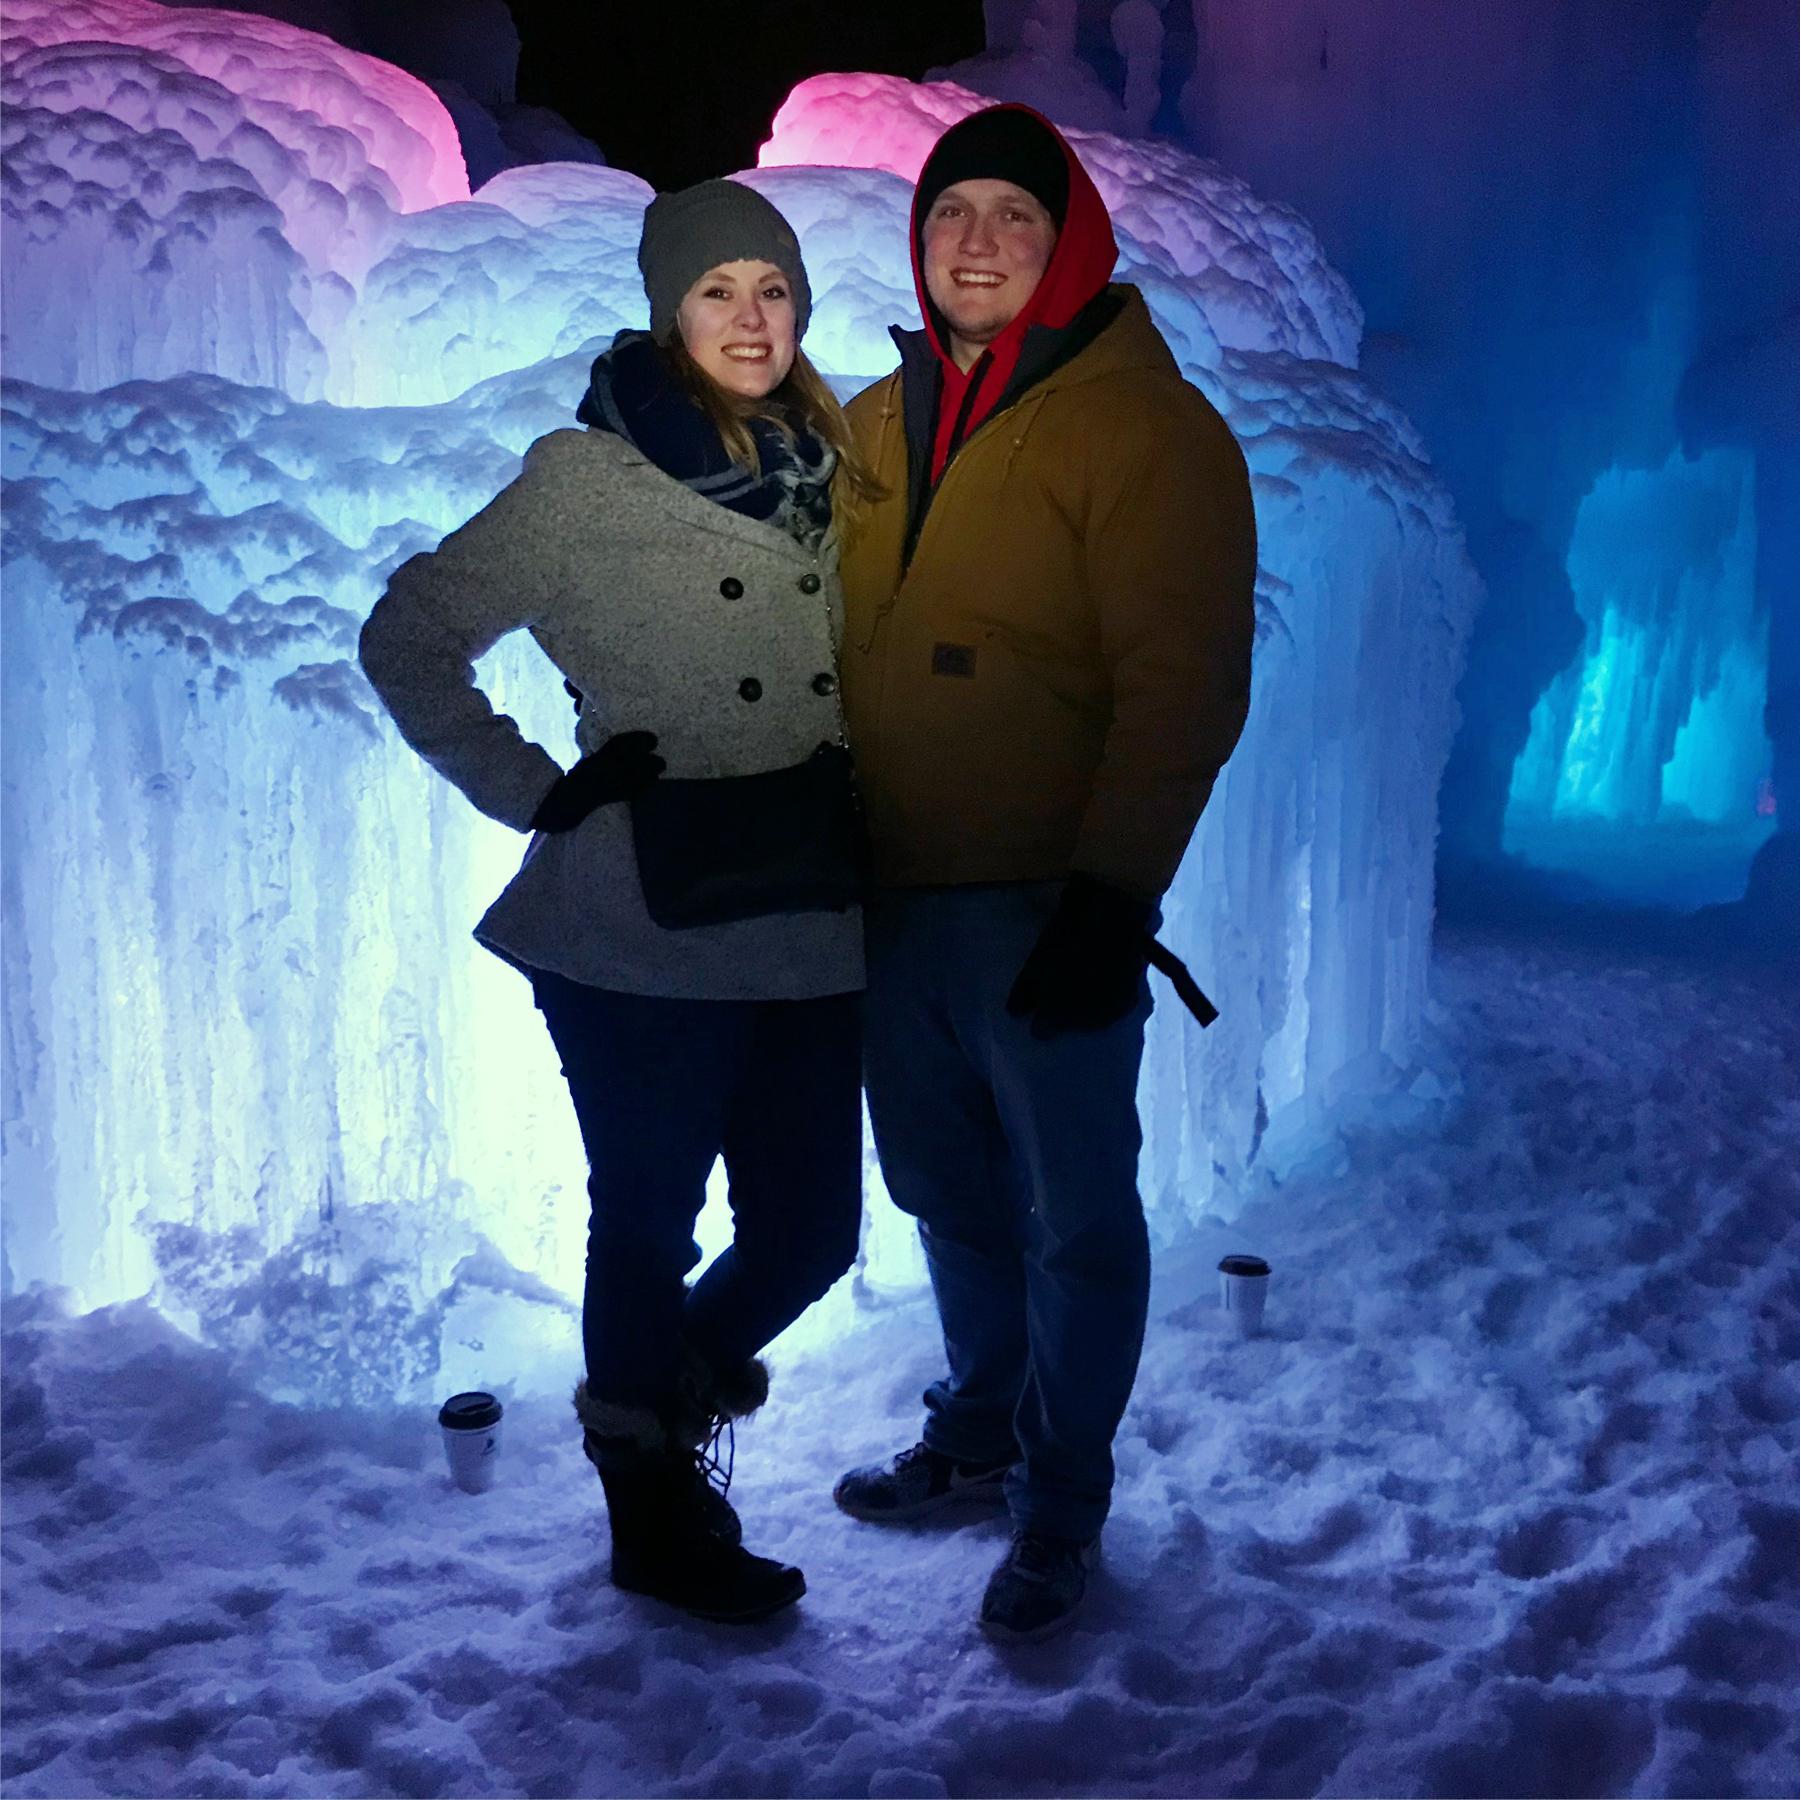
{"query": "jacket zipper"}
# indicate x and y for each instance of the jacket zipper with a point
(1021, 426)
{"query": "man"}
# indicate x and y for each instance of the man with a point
(1046, 664)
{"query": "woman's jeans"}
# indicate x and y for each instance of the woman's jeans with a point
(662, 1087)
(1019, 1158)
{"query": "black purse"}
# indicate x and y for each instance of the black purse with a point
(745, 846)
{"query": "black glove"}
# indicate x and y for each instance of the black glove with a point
(617, 770)
(1086, 969)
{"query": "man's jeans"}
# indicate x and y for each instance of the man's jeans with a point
(1019, 1158)
(662, 1087)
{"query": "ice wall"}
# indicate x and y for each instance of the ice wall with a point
(467, 52)
(253, 1058)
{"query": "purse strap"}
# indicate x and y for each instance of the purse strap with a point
(1168, 963)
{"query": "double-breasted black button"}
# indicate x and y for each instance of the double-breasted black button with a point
(732, 588)
(750, 688)
(825, 684)
(809, 583)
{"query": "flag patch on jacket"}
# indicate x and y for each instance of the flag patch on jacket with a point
(954, 659)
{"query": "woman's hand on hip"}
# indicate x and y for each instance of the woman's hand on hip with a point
(624, 765)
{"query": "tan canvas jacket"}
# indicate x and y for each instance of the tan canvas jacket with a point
(1055, 680)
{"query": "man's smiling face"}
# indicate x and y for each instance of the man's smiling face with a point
(986, 246)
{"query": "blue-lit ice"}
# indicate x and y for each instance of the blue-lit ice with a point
(1647, 769)
(257, 1056)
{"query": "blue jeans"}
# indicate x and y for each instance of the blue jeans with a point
(661, 1088)
(1019, 1159)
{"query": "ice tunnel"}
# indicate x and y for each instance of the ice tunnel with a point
(1652, 742)
(262, 346)
(1581, 287)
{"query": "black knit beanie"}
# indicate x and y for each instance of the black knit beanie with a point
(697, 228)
(999, 143)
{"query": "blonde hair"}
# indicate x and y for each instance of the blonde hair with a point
(802, 395)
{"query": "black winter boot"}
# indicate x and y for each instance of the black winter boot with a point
(657, 1510)
(722, 1518)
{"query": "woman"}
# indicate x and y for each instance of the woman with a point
(675, 562)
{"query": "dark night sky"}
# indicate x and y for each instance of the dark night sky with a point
(678, 92)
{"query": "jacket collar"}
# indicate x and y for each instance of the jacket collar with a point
(1113, 333)
(681, 502)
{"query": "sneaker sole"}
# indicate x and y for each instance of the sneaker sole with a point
(1002, 1634)
(715, 1615)
(976, 1494)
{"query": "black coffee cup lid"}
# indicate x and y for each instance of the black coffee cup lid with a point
(469, 1412)
(1243, 1265)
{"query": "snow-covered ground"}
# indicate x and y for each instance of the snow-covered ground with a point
(1503, 1503)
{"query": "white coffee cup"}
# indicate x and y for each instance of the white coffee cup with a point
(471, 1428)
(1243, 1283)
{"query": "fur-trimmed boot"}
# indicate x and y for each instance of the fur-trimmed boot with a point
(690, 1431)
(710, 1399)
(664, 1544)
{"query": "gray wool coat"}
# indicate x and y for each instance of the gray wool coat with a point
(670, 614)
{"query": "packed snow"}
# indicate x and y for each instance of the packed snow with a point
(247, 1028)
(1503, 1502)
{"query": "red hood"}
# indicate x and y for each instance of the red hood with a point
(1080, 267)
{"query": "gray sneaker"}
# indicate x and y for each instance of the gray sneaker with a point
(917, 1482)
(1038, 1587)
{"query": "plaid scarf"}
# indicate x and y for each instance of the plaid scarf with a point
(632, 394)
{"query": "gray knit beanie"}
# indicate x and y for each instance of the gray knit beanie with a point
(691, 231)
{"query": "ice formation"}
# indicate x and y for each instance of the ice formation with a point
(1647, 740)
(1582, 289)
(254, 1059)
(199, 191)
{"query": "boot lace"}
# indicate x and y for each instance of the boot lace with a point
(715, 1469)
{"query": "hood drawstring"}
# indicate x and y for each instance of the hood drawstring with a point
(1022, 425)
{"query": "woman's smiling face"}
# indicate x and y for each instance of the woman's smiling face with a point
(737, 322)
